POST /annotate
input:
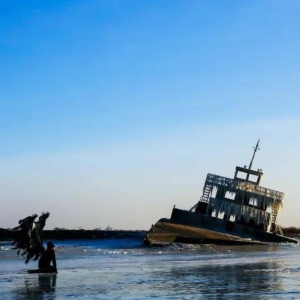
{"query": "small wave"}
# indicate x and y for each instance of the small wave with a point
(181, 247)
(284, 270)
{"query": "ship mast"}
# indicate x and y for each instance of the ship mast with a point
(255, 149)
(250, 165)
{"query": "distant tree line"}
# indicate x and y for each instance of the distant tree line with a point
(80, 228)
(291, 230)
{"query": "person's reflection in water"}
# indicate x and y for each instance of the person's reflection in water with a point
(47, 283)
(38, 288)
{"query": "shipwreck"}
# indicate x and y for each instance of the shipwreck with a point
(230, 211)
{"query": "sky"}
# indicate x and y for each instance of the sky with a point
(114, 111)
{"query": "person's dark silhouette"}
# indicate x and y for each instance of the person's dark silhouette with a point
(47, 257)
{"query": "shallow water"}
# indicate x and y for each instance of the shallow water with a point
(125, 269)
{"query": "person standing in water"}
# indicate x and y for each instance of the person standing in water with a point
(47, 257)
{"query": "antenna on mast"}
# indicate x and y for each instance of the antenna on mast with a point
(255, 149)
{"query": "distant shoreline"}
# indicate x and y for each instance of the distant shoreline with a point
(291, 231)
(70, 234)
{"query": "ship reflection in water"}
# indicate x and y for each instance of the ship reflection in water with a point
(214, 282)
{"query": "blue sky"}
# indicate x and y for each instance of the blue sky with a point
(118, 109)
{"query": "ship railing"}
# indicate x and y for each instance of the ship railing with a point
(202, 199)
(234, 184)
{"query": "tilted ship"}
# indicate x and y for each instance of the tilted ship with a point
(230, 211)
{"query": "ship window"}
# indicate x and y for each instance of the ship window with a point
(232, 218)
(221, 215)
(241, 175)
(230, 195)
(253, 201)
(253, 178)
(214, 192)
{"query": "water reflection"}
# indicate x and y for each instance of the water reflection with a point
(39, 287)
(219, 281)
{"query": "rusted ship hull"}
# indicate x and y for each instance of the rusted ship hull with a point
(189, 227)
(167, 233)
